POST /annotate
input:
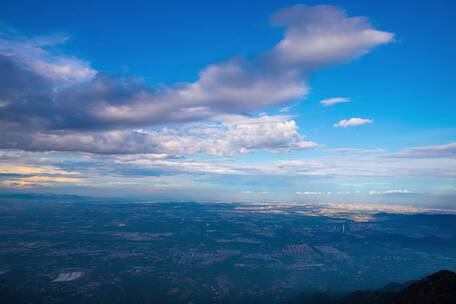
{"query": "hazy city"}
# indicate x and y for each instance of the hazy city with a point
(227, 152)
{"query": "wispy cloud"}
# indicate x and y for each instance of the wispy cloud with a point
(393, 191)
(335, 175)
(32, 53)
(353, 122)
(333, 101)
(370, 165)
(29, 170)
(23, 176)
(39, 181)
(308, 193)
(447, 150)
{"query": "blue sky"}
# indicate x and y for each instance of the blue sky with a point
(221, 101)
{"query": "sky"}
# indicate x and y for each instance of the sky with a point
(246, 101)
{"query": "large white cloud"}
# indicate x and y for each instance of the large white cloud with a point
(322, 35)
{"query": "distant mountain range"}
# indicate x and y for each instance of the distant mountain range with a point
(438, 288)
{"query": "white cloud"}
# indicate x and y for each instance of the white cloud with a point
(332, 101)
(170, 166)
(346, 167)
(360, 165)
(353, 122)
(348, 150)
(309, 193)
(393, 191)
(322, 35)
(228, 135)
(33, 54)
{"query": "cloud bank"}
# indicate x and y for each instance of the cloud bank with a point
(50, 101)
(379, 173)
(227, 135)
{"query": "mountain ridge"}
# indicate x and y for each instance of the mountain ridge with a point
(438, 288)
